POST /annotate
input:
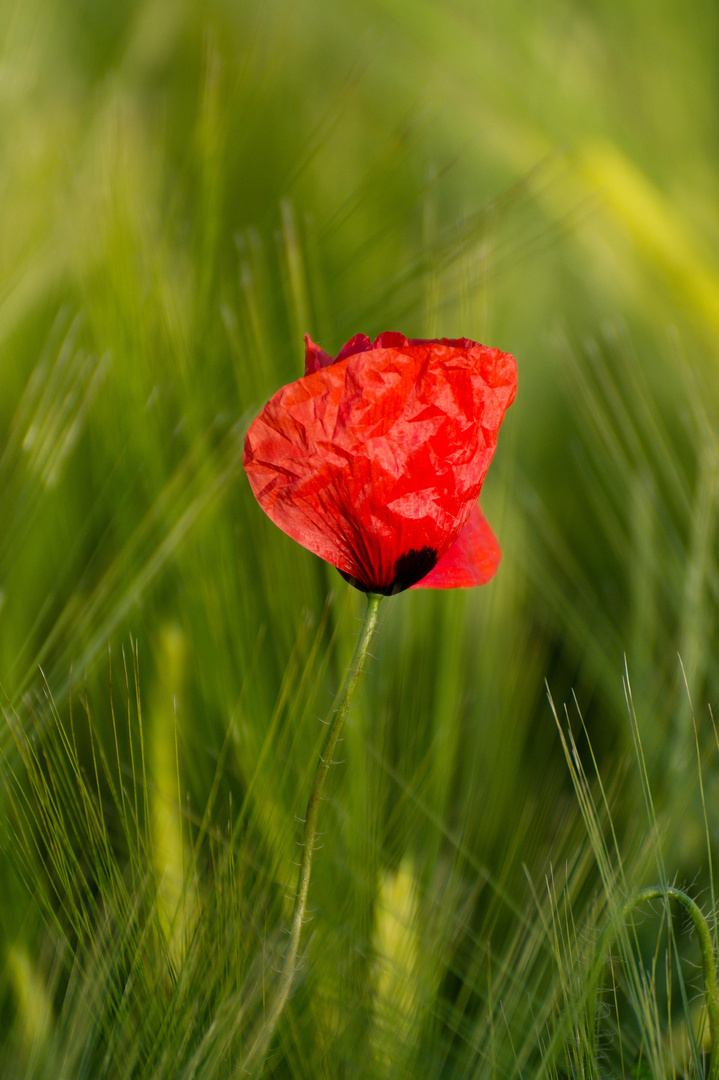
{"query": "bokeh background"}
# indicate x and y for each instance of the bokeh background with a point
(185, 189)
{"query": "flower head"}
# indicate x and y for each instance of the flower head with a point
(374, 460)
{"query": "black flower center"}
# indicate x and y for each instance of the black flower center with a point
(408, 570)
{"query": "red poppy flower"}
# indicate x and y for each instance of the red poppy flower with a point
(374, 460)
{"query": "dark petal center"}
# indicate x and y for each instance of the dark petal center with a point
(408, 570)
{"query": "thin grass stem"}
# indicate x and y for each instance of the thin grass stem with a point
(256, 1054)
(711, 992)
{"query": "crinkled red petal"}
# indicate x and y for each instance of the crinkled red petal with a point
(359, 343)
(315, 357)
(471, 560)
(375, 462)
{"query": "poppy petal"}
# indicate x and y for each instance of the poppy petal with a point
(471, 560)
(359, 343)
(315, 357)
(375, 461)
(389, 339)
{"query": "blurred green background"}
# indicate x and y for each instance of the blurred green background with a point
(185, 189)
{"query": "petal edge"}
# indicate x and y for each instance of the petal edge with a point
(471, 560)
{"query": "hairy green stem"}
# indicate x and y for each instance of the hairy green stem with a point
(711, 993)
(256, 1054)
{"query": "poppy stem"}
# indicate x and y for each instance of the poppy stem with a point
(256, 1054)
